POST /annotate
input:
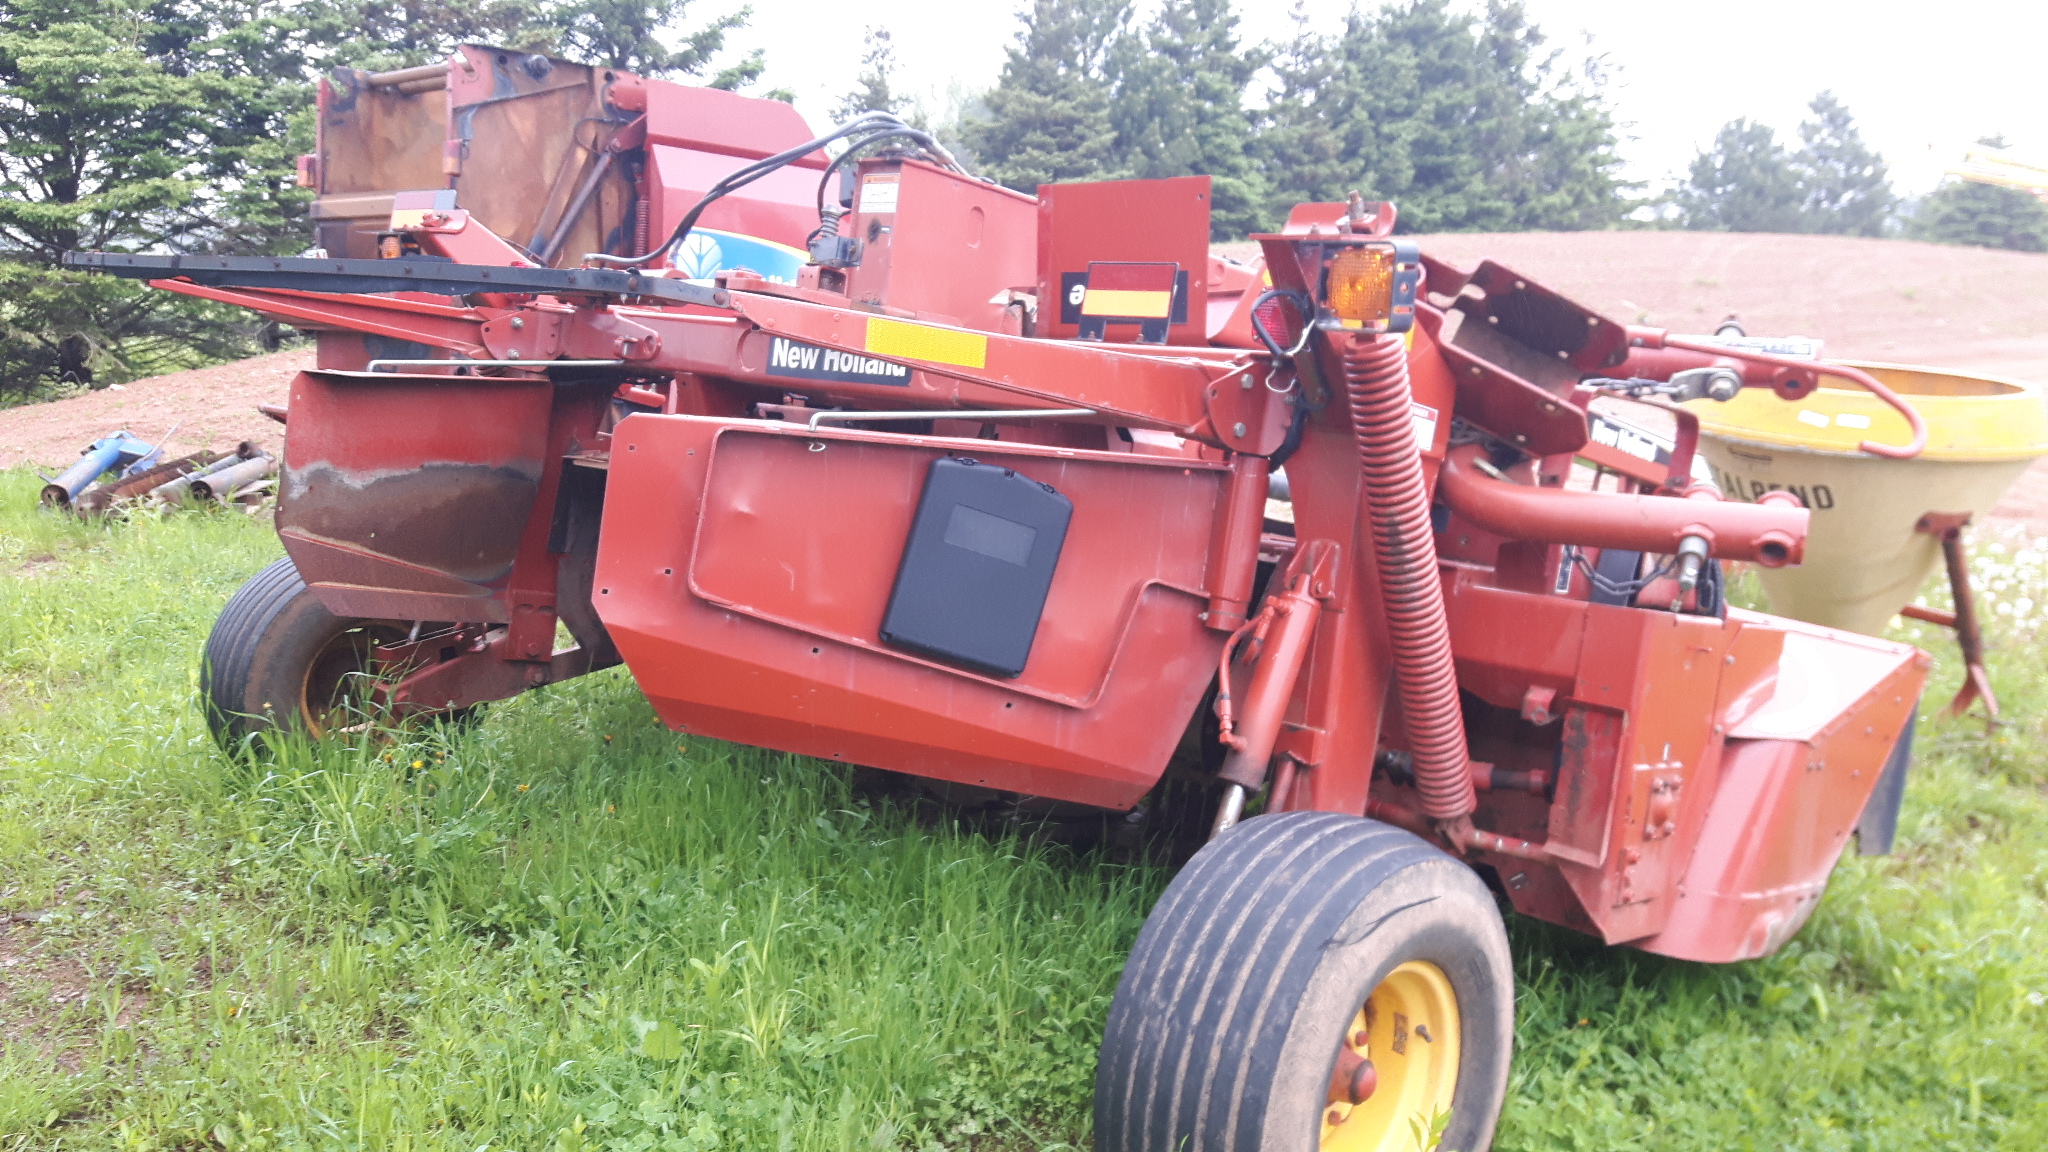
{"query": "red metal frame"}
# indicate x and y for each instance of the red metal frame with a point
(1678, 781)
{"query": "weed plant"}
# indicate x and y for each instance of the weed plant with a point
(566, 927)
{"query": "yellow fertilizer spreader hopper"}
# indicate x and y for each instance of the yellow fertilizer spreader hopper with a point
(1879, 525)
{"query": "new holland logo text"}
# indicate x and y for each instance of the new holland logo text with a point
(1637, 443)
(809, 362)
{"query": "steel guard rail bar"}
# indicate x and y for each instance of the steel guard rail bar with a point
(1771, 534)
(404, 275)
(1655, 339)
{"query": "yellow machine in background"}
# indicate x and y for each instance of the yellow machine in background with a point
(1992, 166)
(1865, 559)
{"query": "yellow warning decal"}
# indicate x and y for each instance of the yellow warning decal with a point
(1137, 305)
(924, 342)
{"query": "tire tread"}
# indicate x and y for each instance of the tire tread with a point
(1209, 989)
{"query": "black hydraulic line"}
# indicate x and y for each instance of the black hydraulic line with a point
(922, 139)
(1305, 307)
(740, 179)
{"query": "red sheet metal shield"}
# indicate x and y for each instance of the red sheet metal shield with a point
(746, 566)
(405, 496)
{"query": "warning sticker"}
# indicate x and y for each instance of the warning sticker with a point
(926, 342)
(1424, 419)
(878, 193)
(810, 362)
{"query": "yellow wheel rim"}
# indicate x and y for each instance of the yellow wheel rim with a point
(1398, 1068)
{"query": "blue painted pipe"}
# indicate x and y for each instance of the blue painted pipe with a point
(116, 451)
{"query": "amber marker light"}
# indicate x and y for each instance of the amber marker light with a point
(1372, 286)
(1361, 287)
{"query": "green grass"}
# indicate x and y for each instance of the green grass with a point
(567, 928)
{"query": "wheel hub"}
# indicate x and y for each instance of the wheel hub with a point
(1397, 1071)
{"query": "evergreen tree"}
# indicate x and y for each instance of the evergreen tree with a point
(1313, 140)
(1982, 215)
(376, 35)
(172, 125)
(628, 34)
(135, 129)
(1178, 108)
(633, 35)
(1048, 115)
(1847, 192)
(874, 91)
(1746, 182)
(1464, 121)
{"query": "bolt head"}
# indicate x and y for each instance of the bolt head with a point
(1237, 429)
(518, 322)
(1364, 1082)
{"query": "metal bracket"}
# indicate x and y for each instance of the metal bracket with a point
(377, 365)
(952, 414)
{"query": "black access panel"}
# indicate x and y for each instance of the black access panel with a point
(977, 567)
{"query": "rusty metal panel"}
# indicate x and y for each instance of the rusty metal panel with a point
(411, 485)
(760, 623)
(372, 142)
(525, 133)
(1582, 814)
(516, 134)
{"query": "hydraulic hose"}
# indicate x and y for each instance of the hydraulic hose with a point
(1404, 550)
(862, 126)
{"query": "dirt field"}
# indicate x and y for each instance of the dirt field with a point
(1889, 300)
(211, 407)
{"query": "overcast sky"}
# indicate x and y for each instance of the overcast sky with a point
(1923, 80)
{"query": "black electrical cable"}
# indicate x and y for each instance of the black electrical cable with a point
(853, 148)
(740, 179)
(1289, 442)
(1624, 589)
(1305, 308)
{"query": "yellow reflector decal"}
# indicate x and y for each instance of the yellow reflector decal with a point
(1135, 305)
(923, 342)
(1361, 286)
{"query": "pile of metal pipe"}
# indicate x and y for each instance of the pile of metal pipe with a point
(119, 469)
(117, 451)
(238, 477)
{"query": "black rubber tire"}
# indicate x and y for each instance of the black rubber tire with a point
(1227, 1022)
(254, 674)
